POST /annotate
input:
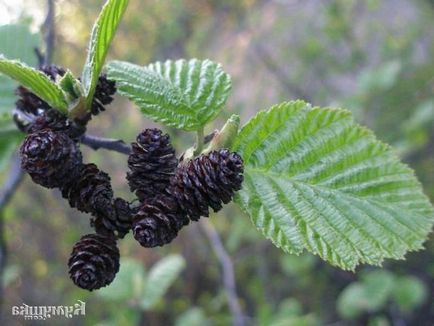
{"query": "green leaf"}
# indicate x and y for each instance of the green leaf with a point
(36, 81)
(161, 276)
(102, 34)
(378, 286)
(180, 94)
(369, 295)
(316, 180)
(352, 302)
(409, 293)
(192, 317)
(16, 42)
(128, 284)
(70, 86)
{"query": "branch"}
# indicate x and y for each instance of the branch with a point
(15, 176)
(227, 270)
(50, 32)
(116, 145)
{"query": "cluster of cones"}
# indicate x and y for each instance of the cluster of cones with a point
(171, 193)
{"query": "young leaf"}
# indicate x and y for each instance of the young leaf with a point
(161, 276)
(102, 34)
(36, 81)
(180, 94)
(316, 180)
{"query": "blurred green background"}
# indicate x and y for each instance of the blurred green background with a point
(370, 56)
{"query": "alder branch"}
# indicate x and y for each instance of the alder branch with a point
(15, 176)
(116, 145)
(50, 33)
(227, 270)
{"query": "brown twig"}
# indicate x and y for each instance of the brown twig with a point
(96, 143)
(50, 33)
(15, 176)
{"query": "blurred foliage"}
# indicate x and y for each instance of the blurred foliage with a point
(25, 52)
(373, 57)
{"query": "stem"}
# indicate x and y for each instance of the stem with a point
(116, 145)
(227, 271)
(49, 33)
(15, 176)
(199, 142)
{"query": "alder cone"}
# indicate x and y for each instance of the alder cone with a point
(207, 181)
(104, 91)
(51, 158)
(94, 261)
(152, 164)
(90, 191)
(117, 219)
(52, 71)
(56, 121)
(158, 221)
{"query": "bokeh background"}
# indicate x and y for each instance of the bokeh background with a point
(370, 56)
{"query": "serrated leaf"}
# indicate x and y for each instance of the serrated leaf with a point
(316, 180)
(36, 81)
(180, 94)
(160, 277)
(16, 42)
(102, 34)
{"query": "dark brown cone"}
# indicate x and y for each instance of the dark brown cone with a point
(90, 192)
(94, 261)
(105, 89)
(54, 120)
(207, 181)
(52, 71)
(118, 219)
(158, 221)
(152, 163)
(50, 158)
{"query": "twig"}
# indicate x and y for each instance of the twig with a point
(15, 176)
(227, 270)
(96, 143)
(50, 32)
